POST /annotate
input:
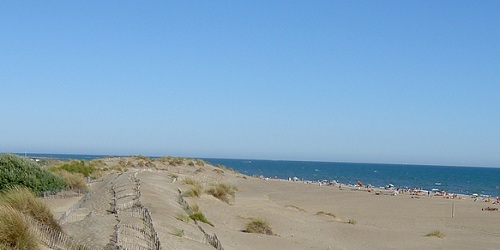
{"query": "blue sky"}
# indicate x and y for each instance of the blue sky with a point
(357, 81)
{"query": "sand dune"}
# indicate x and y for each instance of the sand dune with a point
(297, 213)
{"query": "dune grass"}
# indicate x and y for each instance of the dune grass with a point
(24, 201)
(14, 230)
(74, 181)
(222, 191)
(194, 191)
(436, 233)
(199, 216)
(259, 226)
(191, 181)
(178, 232)
(182, 217)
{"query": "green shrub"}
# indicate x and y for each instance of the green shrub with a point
(222, 191)
(258, 225)
(82, 167)
(14, 230)
(15, 170)
(24, 201)
(199, 216)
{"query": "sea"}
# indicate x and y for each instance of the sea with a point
(453, 179)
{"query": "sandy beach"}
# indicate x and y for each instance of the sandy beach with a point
(301, 215)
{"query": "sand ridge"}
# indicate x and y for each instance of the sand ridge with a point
(297, 213)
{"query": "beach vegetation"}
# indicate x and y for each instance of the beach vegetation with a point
(82, 167)
(178, 232)
(25, 201)
(221, 166)
(351, 221)
(175, 161)
(14, 230)
(295, 207)
(218, 171)
(259, 226)
(223, 191)
(195, 208)
(199, 170)
(144, 158)
(200, 162)
(194, 191)
(199, 216)
(182, 216)
(141, 164)
(436, 233)
(19, 171)
(74, 181)
(326, 213)
(191, 181)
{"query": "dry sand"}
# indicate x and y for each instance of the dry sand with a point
(291, 208)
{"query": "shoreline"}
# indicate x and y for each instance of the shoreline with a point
(302, 214)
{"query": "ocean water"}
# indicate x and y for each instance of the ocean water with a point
(462, 180)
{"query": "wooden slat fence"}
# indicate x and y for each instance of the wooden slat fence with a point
(212, 240)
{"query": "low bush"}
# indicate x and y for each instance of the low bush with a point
(259, 226)
(18, 171)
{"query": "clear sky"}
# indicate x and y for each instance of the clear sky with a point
(356, 81)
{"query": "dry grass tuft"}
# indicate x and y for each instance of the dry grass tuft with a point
(194, 191)
(436, 233)
(259, 226)
(182, 216)
(24, 201)
(295, 207)
(326, 213)
(199, 216)
(14, 230)
(191, 181)
(223, 191)
(74, 181)
(352, 221)
(178, 232)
